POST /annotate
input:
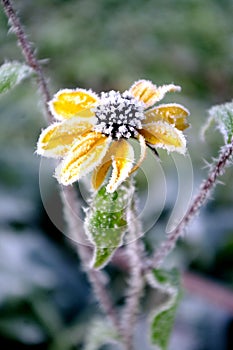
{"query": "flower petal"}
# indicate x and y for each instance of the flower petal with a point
(164, 135)
(122, 163)
(70, 103)
(173, 113)
(147, 92)
(100, 172)
(142, 142)
(56, 140)
(85, 154)
(119, 149)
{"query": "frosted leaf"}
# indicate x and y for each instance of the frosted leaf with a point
(12, 73)
(223, 116)
(162, 319)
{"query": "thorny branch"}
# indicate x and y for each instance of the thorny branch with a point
(216, 170)
(28, 53)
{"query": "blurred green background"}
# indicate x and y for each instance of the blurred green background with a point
(45, 299)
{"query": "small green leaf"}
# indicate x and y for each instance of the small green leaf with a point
(100, 332)
(166, 282)
(223, 116)
(12, 73)
(106, 224)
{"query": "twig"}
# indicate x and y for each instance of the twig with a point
(135, 252)
(217, 170)
(28, 54)
(69, 196)
(211, 291)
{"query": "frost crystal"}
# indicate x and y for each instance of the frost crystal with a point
(118, 115)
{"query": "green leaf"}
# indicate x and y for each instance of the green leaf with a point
(100, 332)
(167, 283)
(106, 224)
(223, 116)
(12, 73)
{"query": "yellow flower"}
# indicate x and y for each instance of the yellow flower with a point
(92, 131)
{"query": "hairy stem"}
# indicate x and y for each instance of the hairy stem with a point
(28, 53)
(97, 278)
(134, 252)
(216, 170)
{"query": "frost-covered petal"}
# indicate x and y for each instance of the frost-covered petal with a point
(100, 172)
(84, 155)
(70, 103)
(120, 150)
(164, 135)
(142, 142)
(56, 140)
(173, 113)
(122, 163)
(149, 94)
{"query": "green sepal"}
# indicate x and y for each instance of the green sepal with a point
(105, 223)
(12, 73)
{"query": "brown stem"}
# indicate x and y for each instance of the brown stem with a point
(28, 54)
(204, 191)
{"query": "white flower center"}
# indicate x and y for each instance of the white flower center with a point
(118, 115)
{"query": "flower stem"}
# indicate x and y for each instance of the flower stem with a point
(217, 169)
(97, 278)
(134, 251)
(28, 53)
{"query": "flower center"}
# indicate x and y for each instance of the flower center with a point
(118, 115)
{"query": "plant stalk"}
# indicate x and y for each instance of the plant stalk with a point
(28, 53)
(134, 251)
(199, 200)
